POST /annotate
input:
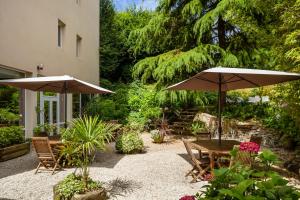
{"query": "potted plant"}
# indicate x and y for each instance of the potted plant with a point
(199, 130)
(43, 130)
(157, 136)
(85, 136)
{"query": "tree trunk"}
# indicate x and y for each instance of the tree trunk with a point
(222, 44)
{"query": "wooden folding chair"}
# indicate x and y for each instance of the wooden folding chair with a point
(200, 166)
(45, 154)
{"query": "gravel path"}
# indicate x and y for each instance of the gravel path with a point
(156, 174)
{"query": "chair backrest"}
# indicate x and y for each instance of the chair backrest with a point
(43, 148)
(242, 157)
(257, 139)
(188, 147)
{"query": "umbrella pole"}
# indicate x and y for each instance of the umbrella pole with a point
(220, 109)
(66, 99)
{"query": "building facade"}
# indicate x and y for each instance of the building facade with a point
(45, 38)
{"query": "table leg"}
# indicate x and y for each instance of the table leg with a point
(212, 162)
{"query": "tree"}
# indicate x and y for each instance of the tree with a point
(186, 37)
(116, 58)
(109, 52)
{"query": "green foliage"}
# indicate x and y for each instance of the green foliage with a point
(107, 109)
(7, 117)
(72, 185)
(143, 104)
(11, 135)
(85, 136)
(134, 104)
(198, 127)
(9, 98)
(116, 58)
(43, 128)
(129, 142)
(244, 183)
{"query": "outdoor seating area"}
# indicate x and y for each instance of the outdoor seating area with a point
(115, 170)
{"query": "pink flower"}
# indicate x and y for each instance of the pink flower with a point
(187, 197)
(251, 147)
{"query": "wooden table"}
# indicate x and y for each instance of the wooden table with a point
(55, 142)
(214, 149)
(56, 145)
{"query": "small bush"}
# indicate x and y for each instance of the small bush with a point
(129, 143)
(11, 135)
(7, 117)
(157, 136)
(72, 185)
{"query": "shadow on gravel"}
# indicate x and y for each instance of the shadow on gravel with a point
(108, 158)
(5, 199)
(186, 157)
(121, 187)
(18, 165)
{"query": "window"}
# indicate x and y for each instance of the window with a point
(78, 45)
(60, 33)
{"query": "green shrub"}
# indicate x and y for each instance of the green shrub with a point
(244, 182)
(198, 127)
(129, 142)
(106, 109)
(72, 185)
(7, 117)
(11, 135)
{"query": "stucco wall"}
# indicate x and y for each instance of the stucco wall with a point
(28, 30)
(28, 37)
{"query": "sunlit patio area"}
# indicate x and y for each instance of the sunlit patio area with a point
(156, 173)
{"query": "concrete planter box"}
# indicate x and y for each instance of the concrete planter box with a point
(14, 151)
(93, 195)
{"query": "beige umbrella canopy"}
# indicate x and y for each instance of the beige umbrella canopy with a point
(58, 84)
(224, 79)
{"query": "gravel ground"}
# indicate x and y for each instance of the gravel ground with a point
(156, 174)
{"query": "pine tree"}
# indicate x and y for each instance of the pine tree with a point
(187, 36)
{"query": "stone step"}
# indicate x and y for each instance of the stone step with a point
(182, 123)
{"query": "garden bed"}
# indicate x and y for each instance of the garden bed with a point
(14, 151)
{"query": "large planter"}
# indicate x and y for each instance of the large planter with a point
(93, 195)
(14, 151)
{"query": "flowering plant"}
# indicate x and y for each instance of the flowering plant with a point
(187, 197)
(249, 147)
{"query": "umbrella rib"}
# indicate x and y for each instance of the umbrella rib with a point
(251, 82)
(227, 81)
(42, 86)
(205, 79)
(47, 85)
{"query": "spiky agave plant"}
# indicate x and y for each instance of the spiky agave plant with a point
(87, 135)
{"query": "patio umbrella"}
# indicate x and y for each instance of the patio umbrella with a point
(223, 79)
(58, 84)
